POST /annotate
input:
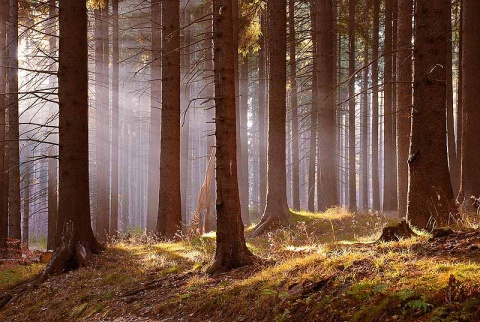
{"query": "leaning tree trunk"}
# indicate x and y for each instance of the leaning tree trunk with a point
(276, 209)
(404, 99)
(169, 202)
(231, 251)
(470, 170)
(430, 195)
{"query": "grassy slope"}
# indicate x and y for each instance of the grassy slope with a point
(312, 272)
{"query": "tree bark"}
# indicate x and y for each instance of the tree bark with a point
(115, 118)
(389, 173)
(352, 172)
(328, 183)
(231, 251)
(313, 112)
(262, 108)
(375, 116)
(404, 99)
(294, 105)
(430, 195)
(470, 169)
(169, 209)
(276, 209)
(3, 108)
(14, 212)
(244, 182)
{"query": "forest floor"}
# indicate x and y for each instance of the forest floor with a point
(326, 267)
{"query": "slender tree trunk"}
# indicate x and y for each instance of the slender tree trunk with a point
(430, 195)
(389, 174)
(352, 180)
(27, 178)
(294, 105)
(470, 170)
(460, 93)
(115, 117)
(262, 108)
(169, 209)
(231, 250)
(327, 194)
(404, 99)
(313, 113)
(276, 209)
(364, 127)
(13, 126)
(244, 182)
(375, 116)
(155, 108)
(3, 108)
(102, 128)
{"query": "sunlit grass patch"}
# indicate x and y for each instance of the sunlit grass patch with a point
(11, 274)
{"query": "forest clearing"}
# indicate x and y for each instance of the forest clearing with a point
(326, 267)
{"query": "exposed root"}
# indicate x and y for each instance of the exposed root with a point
(269, 222)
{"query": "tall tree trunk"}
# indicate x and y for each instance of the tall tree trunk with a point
(389, 174)
(262, 109)
(328, 195)
(293, 105)
(13, 126)
(74, 205)
(470, 170)
(27, 178)
(3, 108)
(313, 113)
(115, 117)
(404, 99)
(231, 250)
(155, 108)
(276, 209)
(375, 116)
(102, 128)
(460, 93)
(430, 195)
(243, 109)
(363, 182)
(352, 180)
(169, 202)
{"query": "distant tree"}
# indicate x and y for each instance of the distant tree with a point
(352, 176)
(470, 170)
(313, 112)
(115, 117)
(328, 196)
(375, 116)
(155, 108)
(231, 250)
(294, 105)
(404, 98)
(430, 195)
(276, 208)
(75, 236)
(169, 208)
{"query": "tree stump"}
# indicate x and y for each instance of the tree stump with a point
(394, 233)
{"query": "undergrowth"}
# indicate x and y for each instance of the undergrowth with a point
(324, 267)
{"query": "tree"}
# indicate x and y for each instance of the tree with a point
(3, 107)
(75, 236)
(313, 111)
(14, 221)
(231, 250)
(404, 99)
(155, 107)
(294, 105)
(276, 208)
(262, 109)
(352, 176)
(115, 118)
(169, 208)
(328, 196)
(470, 166)
(430, 195)
(375, 127)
